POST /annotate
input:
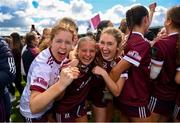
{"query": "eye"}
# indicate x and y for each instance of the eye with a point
(68, 42)
(58, 41)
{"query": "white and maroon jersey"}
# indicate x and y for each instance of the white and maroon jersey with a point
(137, 52)
(164, 51)
(43, 73)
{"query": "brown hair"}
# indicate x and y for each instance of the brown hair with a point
(134, 16)
(123, 26)
(174, 15)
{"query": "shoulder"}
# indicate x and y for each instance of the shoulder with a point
(5, 51)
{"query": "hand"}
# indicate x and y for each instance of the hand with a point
(67, 75)
(73, 54)
(98, 71)
(152, 7)
(72, 63)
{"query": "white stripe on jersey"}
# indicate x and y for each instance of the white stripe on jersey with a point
(142, 112)
(11, 63)
(152, 103)
(134, 62)
(176, 111)
(58, 117)
(77, 113)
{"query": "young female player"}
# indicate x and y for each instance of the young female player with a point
(134, 97)
(102, 99)
(43, 81)
(71, 108)
(163, 69)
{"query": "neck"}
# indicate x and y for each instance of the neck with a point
(172, 30)
(139, 29)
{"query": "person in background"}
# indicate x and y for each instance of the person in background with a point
(31, 51)
(16, 50)
(7, 76)
(163, 69)
(123, 27)
(33, 29)
(9, 41)
(102, 25)
(45, 40)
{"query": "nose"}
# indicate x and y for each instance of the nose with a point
(105, 47)
(63, 45)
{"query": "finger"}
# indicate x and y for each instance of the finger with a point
(75, 69)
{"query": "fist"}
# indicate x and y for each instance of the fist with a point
(152, 6)
(68, 74)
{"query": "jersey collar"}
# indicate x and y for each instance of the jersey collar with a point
(138, 34)
(174, 33)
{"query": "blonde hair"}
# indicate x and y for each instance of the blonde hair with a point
(65, 24)
(116, 33)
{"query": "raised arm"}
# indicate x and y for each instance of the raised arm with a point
(115, 87)
(116, 71)
(66, 77)
(152, 8)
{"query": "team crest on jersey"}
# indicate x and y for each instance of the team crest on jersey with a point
(134, 54)
(104, 65)
(113, 63)
(40, 81)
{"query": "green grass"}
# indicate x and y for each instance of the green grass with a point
(15, 112)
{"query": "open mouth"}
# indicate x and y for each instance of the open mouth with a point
(61, 53)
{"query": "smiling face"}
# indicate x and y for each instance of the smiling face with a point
(86, 51)
(108, 46)
(61, 44)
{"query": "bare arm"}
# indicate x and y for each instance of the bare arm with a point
(177, 77)
(115, 88)
(152, 8)
(116, 71)
(66, 77)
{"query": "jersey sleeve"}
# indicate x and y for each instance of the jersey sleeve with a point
(178, 69)
(39, 78)
(157, 55)
(156, 52)
(137, 52)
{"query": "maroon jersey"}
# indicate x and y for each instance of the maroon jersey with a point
(96, 93)
(165, 87)
(76, 92)
(137, 52)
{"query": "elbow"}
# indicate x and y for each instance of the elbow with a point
(112, 75)
(117, 93)
(34, 109)
(177, 79)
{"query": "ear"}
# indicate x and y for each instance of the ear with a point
(146, 19)
(168, 21)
